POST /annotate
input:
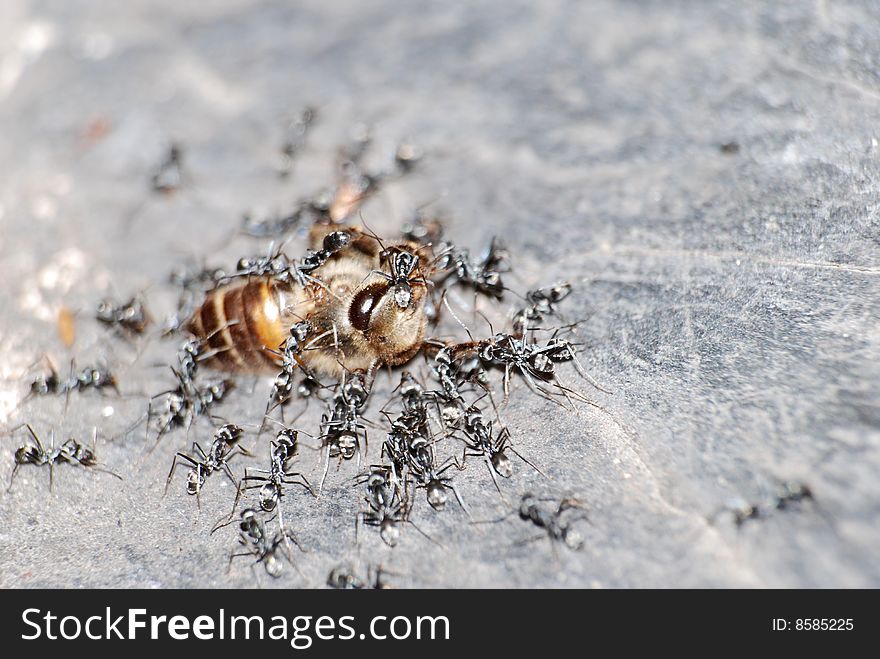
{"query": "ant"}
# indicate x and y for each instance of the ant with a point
(343, 577)
(187, 402)
(792, 492)
(429, 476)
(551, 520)
(542, 302)
(272, 481)
(333, 242)
(70, 452)
(410, 449)
(385, 509)
(789, 492)
(222, 450)
(297, 131)
(402, 265)
(341, 429)
(92, 377)
(481, 441)
(169, 176)
(290, 352)
(536, 363)
(484, 274)
(192, 284)
(254, 538)
(130, 318)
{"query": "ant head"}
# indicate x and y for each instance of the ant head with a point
(347, 445)
(26, 454)
(87, 457)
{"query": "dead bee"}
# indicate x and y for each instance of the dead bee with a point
(70, 452)
(169, 176)
(339, 288)
(131, 318)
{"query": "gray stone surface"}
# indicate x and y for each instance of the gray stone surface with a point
(731, 298)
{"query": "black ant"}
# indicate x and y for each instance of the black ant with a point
(343, 577)
(92, 377)
(297, 131)
(257, 543)
(70, 452)
(341, 428)
(551, 520)
(186, 402)
(271, 481)
(385, 508)
(482, 441)
(484, 274)
(542, 302)
(130, 318)
(402, 265)
(169, 176)
(193, 285)
(222, 450)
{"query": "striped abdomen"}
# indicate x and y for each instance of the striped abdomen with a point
(242, 324)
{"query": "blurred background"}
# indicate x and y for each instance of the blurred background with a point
(705, 174)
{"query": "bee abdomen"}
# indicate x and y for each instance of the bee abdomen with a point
(241, 325)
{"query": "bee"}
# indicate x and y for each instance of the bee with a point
(363, 306)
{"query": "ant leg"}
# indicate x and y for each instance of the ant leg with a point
(416, 527)
(326, 469)
(522, 543)
(290, 478)
(527, 461)
(495, 482)
(460, 500)
(12, 477)
(228, 521)
(234, 555)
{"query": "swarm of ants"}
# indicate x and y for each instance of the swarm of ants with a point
(324, 325)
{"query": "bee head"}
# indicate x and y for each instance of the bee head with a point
(393, 331)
